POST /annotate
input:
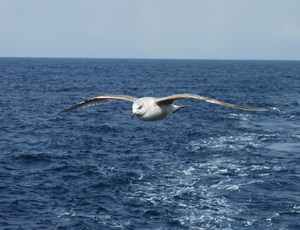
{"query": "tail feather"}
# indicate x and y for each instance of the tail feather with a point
(179, 108)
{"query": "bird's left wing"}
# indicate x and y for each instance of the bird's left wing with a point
(99, 100)
(177, 97)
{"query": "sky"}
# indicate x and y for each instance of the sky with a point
(171, 29)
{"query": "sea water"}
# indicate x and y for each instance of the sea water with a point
(205, 167)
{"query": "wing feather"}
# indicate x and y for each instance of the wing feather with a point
(99, 100)
(177, 97)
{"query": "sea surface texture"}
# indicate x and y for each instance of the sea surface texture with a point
(204, 167)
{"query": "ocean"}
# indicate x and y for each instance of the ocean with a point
(204, 167)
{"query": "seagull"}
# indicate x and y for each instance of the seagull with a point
(152, 108)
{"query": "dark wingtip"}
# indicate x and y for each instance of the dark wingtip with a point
(73, 108)
(64, 111)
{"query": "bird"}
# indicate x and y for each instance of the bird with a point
(153, 108)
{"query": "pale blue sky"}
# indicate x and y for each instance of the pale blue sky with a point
(185, 29)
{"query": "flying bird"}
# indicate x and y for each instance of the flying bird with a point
(152, 108)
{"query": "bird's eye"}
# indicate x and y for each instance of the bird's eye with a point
(140, 106)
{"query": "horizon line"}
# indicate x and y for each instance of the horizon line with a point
(151, 58)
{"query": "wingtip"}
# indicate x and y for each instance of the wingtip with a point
(73, 108)
(255, 109)
(262, 110)
(64, 111)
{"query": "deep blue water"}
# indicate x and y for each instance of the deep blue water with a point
(205, 167)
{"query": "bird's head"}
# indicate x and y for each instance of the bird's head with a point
(138, 108)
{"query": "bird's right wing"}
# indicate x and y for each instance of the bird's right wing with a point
(99, 100)
(177, 97)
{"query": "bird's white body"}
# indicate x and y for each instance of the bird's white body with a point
(150, 110)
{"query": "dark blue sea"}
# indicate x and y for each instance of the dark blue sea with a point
(205, 167)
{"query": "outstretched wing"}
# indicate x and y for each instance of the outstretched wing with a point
(177, 97)
(99, 100)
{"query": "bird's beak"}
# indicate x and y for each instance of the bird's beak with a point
(132, 115)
